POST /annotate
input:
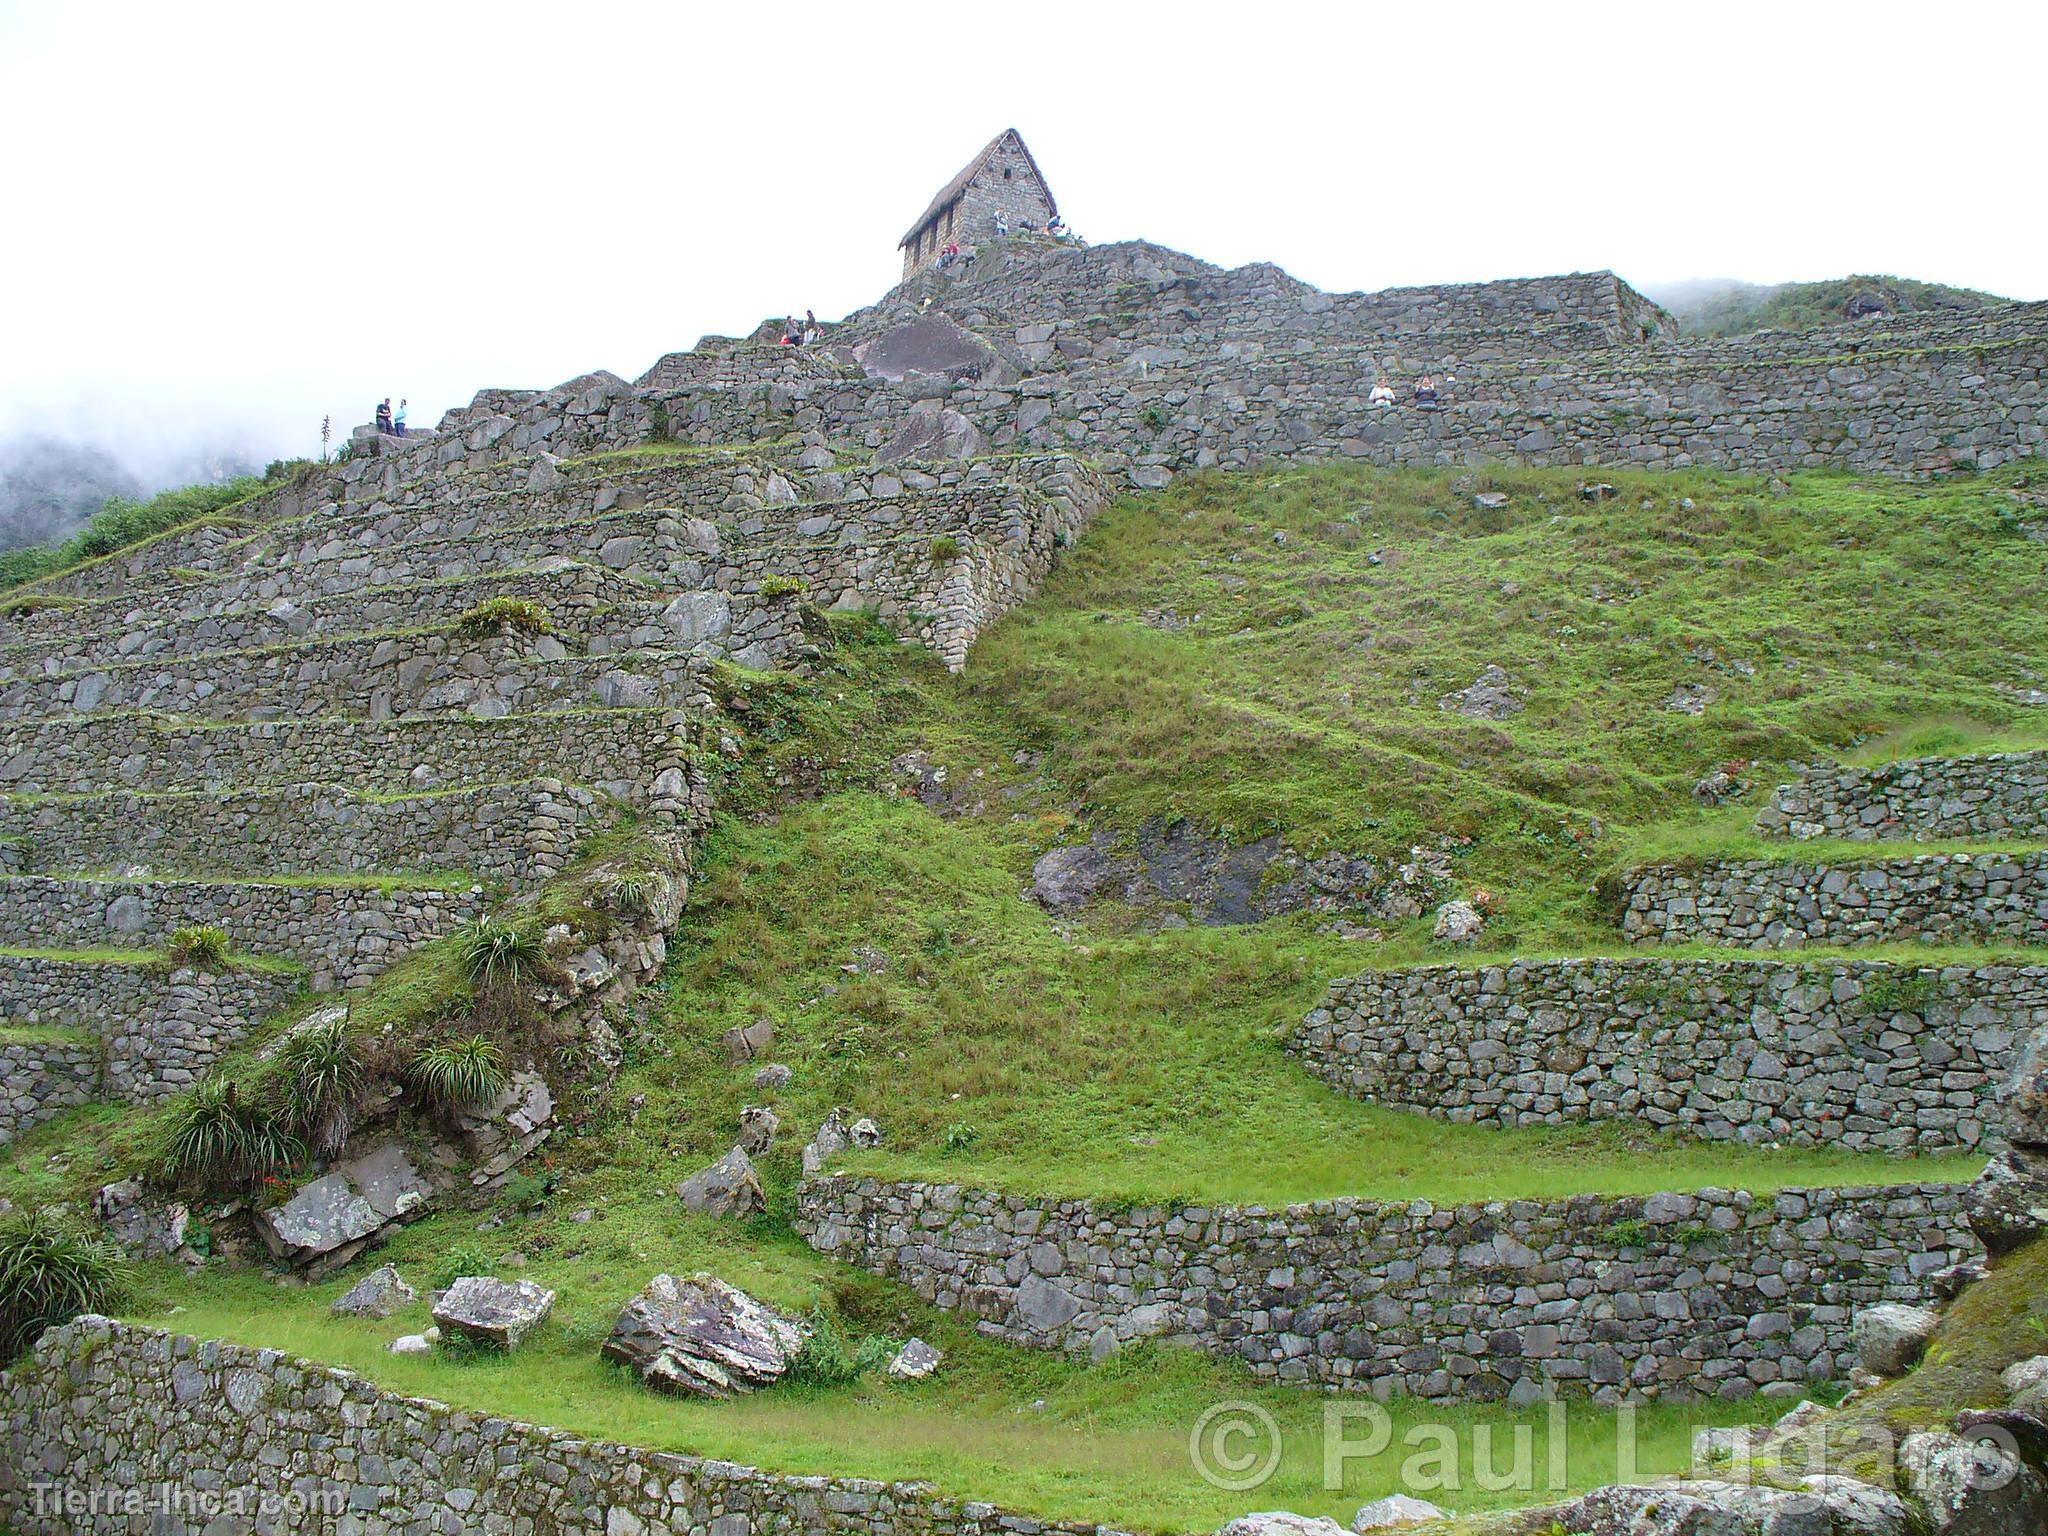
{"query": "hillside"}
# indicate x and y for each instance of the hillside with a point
(1052, 824)
(1712, 306)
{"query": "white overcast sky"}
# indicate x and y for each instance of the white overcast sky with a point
(230, 219)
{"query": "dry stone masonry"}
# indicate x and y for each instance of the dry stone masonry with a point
(1711, 1294)
(314, 1450)
(1752, 904)
(1861, 1056)
(1924, 799)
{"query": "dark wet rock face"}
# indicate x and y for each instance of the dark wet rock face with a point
(1172, 864)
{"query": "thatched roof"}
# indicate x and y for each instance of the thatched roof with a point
(951, 191)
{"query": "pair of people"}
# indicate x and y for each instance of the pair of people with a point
(805, 335)
(390, 422)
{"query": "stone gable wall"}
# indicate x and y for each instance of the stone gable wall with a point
(1925, 799)
(1713, 1294)
(1758, 904)
(336, 1456)
(1861, 1056)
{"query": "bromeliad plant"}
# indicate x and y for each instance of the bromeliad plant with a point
(49, 1274)
(496, 953)
(217, 1135)
(322, 1080)
(457, 1074)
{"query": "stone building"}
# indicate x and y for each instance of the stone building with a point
(1003, 180)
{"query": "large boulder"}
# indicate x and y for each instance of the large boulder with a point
(1890, 1338)
(378, 1294)
(932, 434)
(1067, 879)
(830, 1142)
(932, 344)
(141, 1225)
(1458, 922)
(330, 1220)
(1972, 1487)
(701, 1337)
(1823, 1505)
(500, 1313)
(914, 1361)
(2024, 1100)
(758, 1125)
(2007, 1206)
(729, 1187)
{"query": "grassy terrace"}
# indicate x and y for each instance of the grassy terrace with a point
(1256, 655)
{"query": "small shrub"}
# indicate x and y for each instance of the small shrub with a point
(773, 587)
(323, 1081)
(49, 1274)
(945, 547)
(504, 616)
(460, 1073)
(216, 1135)
(960, 1137)
(205, 947)
(497, 953)
(463, 1259)
(1154, 418)
(1629, 1232)
(1900, 994)
(829, 1359)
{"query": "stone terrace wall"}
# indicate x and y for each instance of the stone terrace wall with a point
(1763, 905)
(519, 834)
(44, 1077)
(1707, 1294)
(1861, 1056)
(640, 756)
(344, 935)
(338, 1457)
(160, 1026)
(2002, 794)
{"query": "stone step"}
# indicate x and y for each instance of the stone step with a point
(377, 676)
(342, 931)
(640, 757)
(1765, 904)
(1927, 799)
(158, 1025)
(1858, 1055)
(516, 834)
(572, 593)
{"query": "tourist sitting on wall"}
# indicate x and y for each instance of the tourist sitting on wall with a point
(792, 333)
(967, 255)
(1382, 392)
(398, 420)
(811, 331)
(1002, 226)
(1056, 227)
(384, 414)
(1425, 391)
(948, 256)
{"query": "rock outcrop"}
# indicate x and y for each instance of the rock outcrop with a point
(701, 1337)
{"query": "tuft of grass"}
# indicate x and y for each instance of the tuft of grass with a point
(203, 947)
(220, 1136)
(458, 1074)
(828, 1358)
(498, 952)
(503, 616)
(50, 1272)
(945, 547)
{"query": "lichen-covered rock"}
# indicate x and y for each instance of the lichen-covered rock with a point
(1891, 1338)
(330, 1220)
(378, 1294)
(914, 1361)
(758, 1125)
(933, 435)
(829, 1142)
(1396, 1509)
(2007, 1205)
(1281, 1522)
(1457, 922)
(500, 1313)
(1971, 1487)
(729, 1187)
(1491, 696)
(701, 1337)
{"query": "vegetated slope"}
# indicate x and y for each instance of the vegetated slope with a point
(1713, 306)
(1254, 654)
